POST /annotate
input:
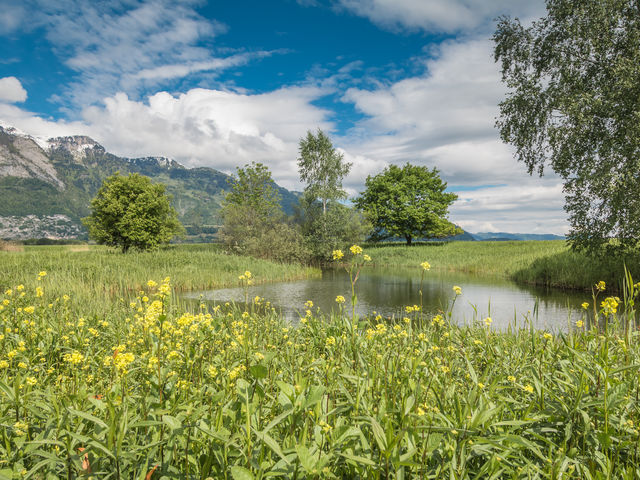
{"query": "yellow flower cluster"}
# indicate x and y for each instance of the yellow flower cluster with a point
(73, 358)
(340, 299)
(425, 266)
(610, 305)
(355, 249)
(457, 290)
(337, 254)
(122, 360)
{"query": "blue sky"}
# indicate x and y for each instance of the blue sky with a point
(223, 83)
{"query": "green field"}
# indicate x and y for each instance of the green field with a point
(104, 374)
(153, 392)
(97, 277)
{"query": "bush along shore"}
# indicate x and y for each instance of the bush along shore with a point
(234, 392)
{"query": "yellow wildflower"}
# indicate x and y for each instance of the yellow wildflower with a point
(337, 254)
(355, 249)
(457, 290)
(528, 388)
(600, 286)
(488, 321)
(340, 299)
(610, 305)
(74, 357)
(585, 305)
(425, 266)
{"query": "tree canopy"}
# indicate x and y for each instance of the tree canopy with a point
(253, 220)
(574, 104)
(322, 167)
(408, 202)
(131, 212)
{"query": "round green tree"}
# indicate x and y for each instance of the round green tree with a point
(408, 202)
(131, 212)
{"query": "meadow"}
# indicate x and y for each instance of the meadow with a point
(98, 279)
(149, 391)
(544, 263)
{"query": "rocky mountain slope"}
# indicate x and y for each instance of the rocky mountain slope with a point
(46, 186)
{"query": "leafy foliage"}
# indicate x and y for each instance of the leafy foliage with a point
(131, 212)
(573, 104)
(147, 390)
(254, 223)
(336, 228)
(407, 202)
(322, 168)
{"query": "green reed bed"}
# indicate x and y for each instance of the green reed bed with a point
(571, 269)
(94, 276)
(238, 394)
(493, 258)
(545, 263)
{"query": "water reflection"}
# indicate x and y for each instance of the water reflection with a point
(388, 290)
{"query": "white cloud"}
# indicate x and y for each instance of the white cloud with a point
(11, 90)
(445, 119)
(219, 129)
(131, 46)
(11, 16)
(529, 207)
(447, 16)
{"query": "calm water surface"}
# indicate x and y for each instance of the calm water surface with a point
(388, 290)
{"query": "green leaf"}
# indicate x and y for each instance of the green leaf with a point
(172, 422)
(359, 459)
(241, 473)
(88, 416)
(314, 396)
(259, 371)
(307, 461)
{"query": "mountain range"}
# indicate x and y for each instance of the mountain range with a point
(46, 186)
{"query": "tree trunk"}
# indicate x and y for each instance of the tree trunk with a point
(324, 206)
(408, 237)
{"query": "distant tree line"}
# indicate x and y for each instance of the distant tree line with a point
(408, 202)
(130, 212)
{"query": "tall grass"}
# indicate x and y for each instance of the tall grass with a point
(93, 276)
(492, 258)
(570, 269)
(546, 263)
(154, 393)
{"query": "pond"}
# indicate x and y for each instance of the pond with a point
(388, 290)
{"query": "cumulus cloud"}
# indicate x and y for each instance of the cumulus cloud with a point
(528, 207)
(11, 90)
(448, 16)
(202, 127)
(445, 119)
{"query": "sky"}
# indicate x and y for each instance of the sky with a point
(222, 84)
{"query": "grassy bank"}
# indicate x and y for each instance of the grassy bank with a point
(93, 276)
(156, 393)
(575, 270)
(548, 263)
(488, 258)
